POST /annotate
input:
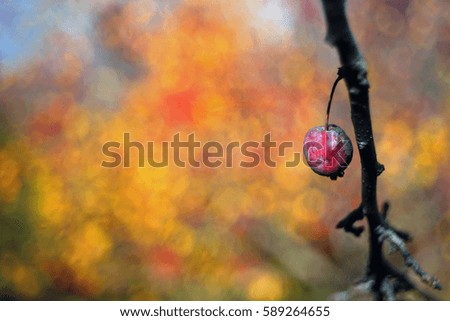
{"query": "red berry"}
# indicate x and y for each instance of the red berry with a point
(328, 152)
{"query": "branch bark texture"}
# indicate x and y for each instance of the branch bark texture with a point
(385, 280)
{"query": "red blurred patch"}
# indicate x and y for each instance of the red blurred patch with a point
(165, 263)
(177, 107)
(400, 5)
(244, 262)
(317, 234)
(309, 10)
(49, 122)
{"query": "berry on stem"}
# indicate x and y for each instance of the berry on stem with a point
(327, 149)
(328, 152)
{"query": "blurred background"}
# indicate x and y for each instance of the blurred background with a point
(76, 74)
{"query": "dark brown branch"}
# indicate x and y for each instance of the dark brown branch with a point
(347, 222)
(384, 279)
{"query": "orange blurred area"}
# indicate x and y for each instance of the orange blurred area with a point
(226, 71)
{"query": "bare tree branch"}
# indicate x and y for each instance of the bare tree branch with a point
(384, 279)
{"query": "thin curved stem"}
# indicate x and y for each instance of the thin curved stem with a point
(340, 76)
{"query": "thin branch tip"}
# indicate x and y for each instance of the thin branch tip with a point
(380, 169)
(397, 244)
(347, 223)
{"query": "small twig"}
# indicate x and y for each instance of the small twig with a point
(398, 244)
(347, 223)
(387, 290)
(402, 283)
(385, 210)
(402, 234)
(380, 169)
(359, 290)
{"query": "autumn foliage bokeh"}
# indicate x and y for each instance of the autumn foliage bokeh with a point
(226, 70)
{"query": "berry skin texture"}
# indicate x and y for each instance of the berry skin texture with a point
(328, 152)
